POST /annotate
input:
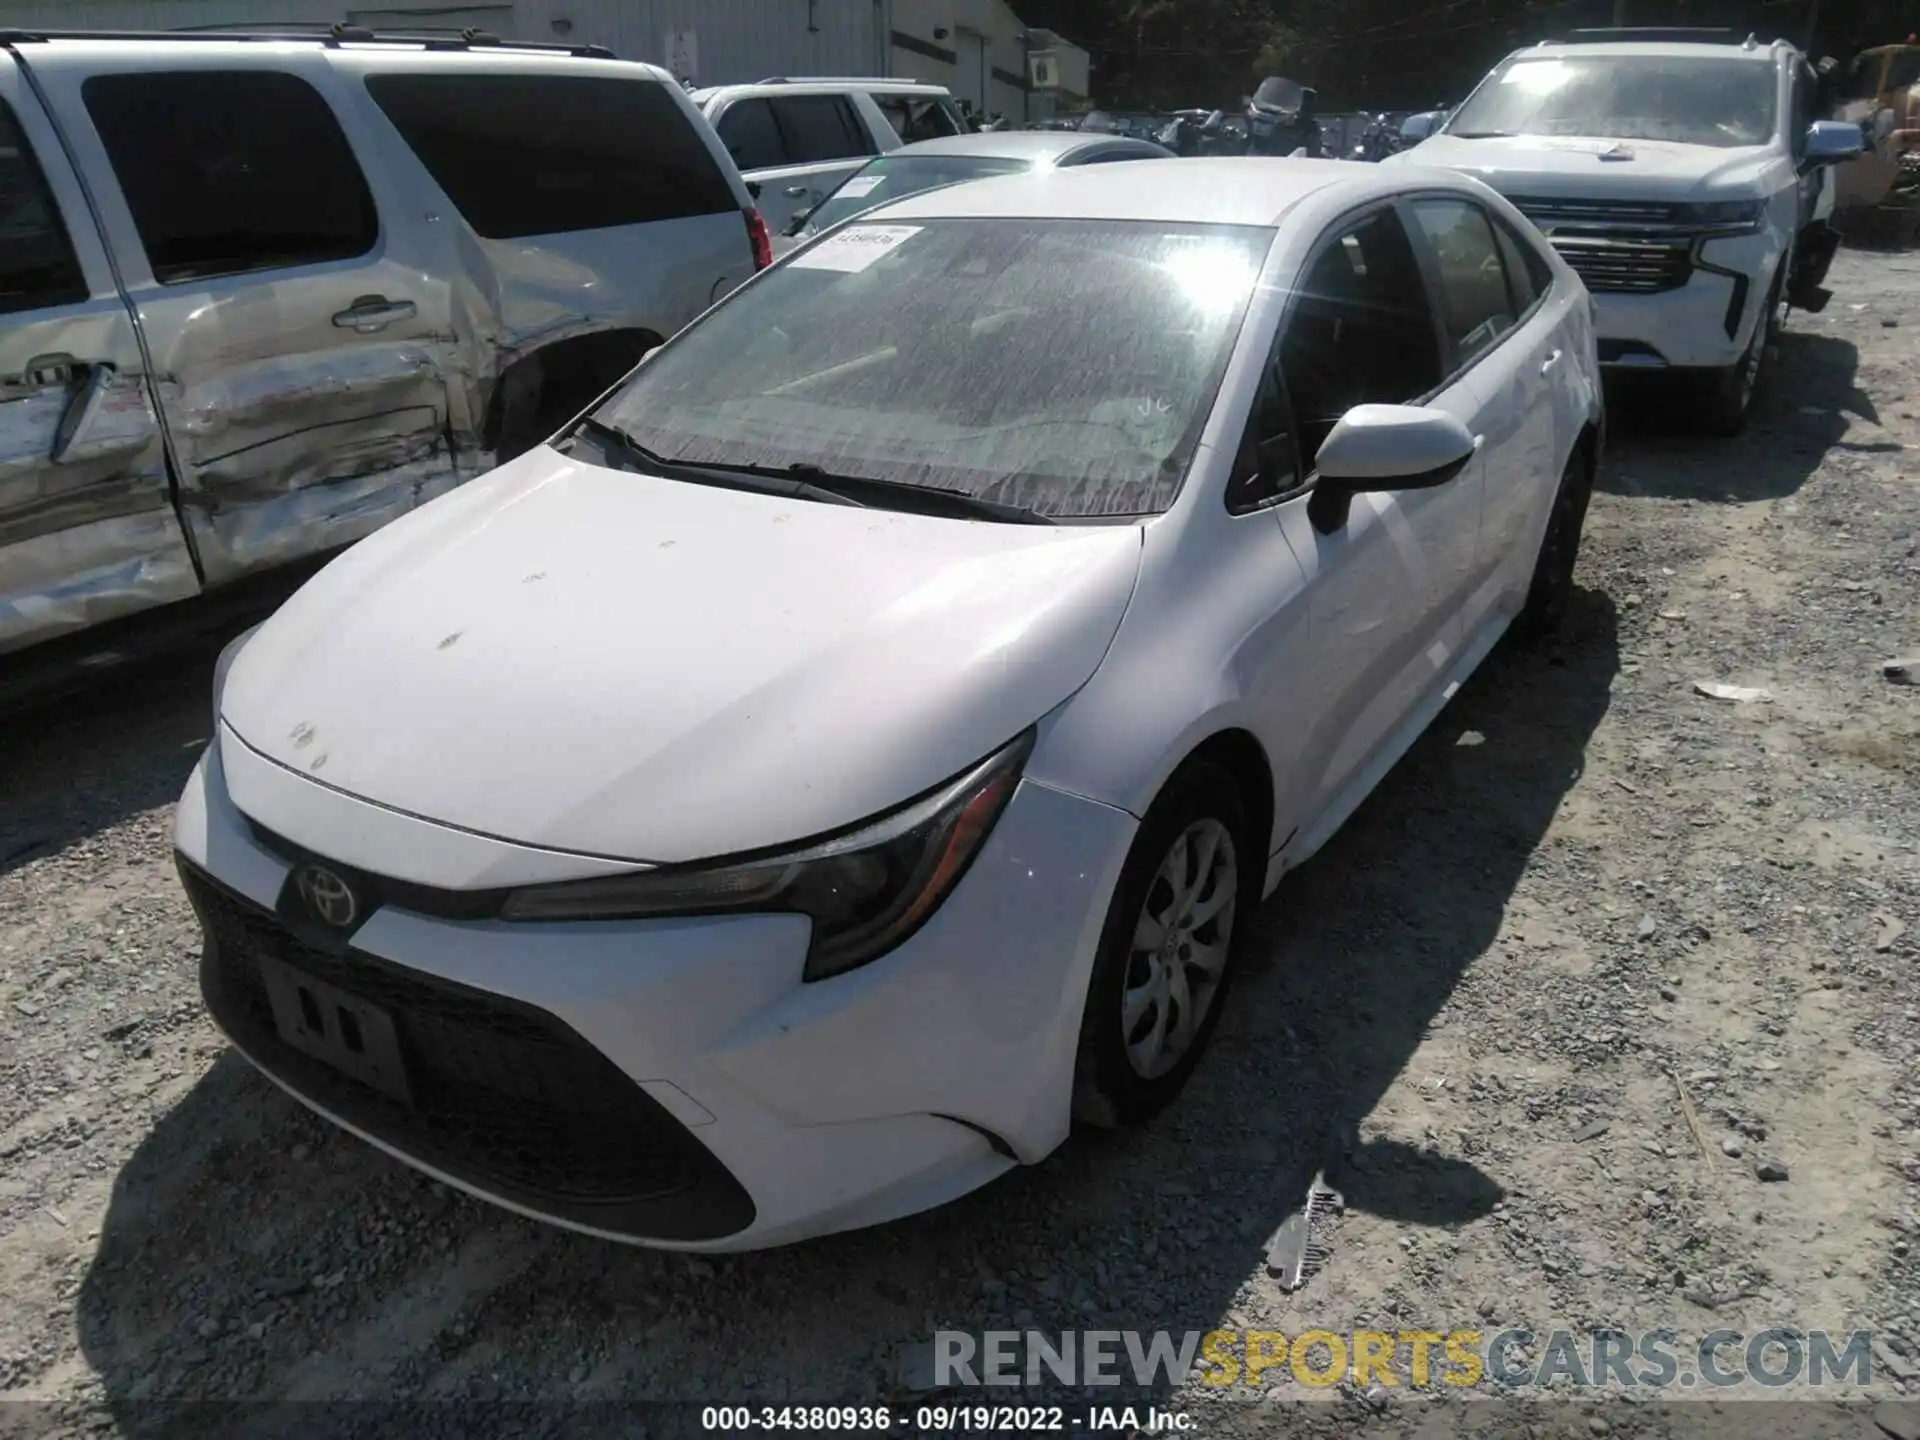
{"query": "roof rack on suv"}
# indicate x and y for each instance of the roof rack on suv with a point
(1672, 34)
(844, 80)
(332, 36)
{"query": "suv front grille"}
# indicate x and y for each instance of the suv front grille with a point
(504, 1096)
(1631, 266)
(1619, 246)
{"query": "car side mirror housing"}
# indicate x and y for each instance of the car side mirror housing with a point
(1386, 447)
(1830, 142)
(753, 188)
(798, 223)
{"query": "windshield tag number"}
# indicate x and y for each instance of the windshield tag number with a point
(854, 249)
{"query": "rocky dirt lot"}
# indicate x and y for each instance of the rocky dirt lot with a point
(1592, 898)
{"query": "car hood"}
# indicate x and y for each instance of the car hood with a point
(621, 665)
(1552, 166)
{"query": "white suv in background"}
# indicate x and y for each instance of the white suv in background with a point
(796, 140)
(1681, 177)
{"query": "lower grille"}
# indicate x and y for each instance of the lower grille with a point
(1642, 267)
(504, 1096)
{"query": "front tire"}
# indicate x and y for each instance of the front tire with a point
(1167, 951)
(1729, 399)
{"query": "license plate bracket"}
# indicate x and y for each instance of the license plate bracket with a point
(354, 1037)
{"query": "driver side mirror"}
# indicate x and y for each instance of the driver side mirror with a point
(753, 188)
(1386, 447)
(1829, 142)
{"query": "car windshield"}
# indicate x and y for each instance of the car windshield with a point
(1691, 100)
(1065, 367)
(892, 177)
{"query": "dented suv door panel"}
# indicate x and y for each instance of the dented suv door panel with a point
(295, 352)
(88, 530)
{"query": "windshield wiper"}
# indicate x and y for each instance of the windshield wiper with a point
(942, 500)
(761, 479)
(812, 482)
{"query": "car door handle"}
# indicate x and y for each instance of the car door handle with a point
(83, 407)
(43, 372)
(794, 192)
(369, 313)
(1546, 366)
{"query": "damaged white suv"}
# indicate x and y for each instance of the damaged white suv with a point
(1681, 175)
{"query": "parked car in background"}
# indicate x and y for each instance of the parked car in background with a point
(1682, 179)
(933, 163)
(1054, 561)
(257, 299)
(795, 140)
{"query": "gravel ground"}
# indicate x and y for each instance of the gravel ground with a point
(1589, 892)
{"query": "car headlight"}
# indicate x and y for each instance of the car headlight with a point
(1730, 216)
(865, 890)
(228, 654)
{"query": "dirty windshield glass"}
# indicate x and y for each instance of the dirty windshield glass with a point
(1686, 99)
(1065, 367)
(891, 177)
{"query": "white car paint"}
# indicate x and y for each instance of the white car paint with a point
(562, 672)
(1582, 187)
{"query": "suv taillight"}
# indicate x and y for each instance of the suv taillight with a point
(761, 238)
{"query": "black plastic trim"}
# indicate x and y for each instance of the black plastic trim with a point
(693, 1196)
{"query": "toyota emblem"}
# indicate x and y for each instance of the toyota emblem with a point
(328, 896)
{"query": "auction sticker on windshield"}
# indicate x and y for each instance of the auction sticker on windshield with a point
(855, 248)
(861, 185)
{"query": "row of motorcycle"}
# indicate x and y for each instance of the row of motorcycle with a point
(1278, 119)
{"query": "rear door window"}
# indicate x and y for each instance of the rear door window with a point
(526, 155)
(231, 171)
(37, 265)
(1476, 308)
(752, 136)
(819, 128)
(1527, 269)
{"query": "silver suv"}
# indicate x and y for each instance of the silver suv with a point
(796, 140)
(259, 296)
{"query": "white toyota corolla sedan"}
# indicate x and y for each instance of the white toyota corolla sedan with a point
(854, 748)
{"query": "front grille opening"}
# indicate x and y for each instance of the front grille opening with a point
(504, 1096)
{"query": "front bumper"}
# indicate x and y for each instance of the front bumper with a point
(1707, 323)
(673, 1082)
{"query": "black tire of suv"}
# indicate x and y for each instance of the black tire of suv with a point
(1731, 391)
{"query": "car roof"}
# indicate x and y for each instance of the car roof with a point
(1228, 190)
(391, 52)
(1650, 49)
(1014, 144)
(824, 86)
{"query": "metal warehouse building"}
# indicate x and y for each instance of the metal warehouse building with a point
(977, 48)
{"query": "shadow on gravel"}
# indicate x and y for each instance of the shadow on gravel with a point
(204, 1284)
(90, 758)
(1806, 403)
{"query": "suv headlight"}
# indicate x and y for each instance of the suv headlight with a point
(1732, 217)
(865, 890)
